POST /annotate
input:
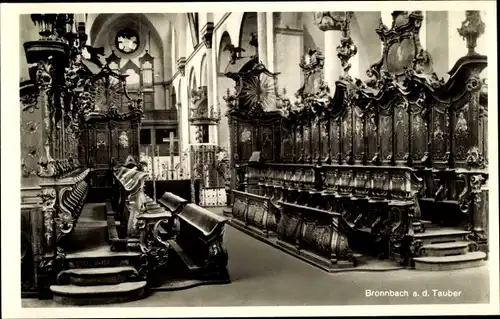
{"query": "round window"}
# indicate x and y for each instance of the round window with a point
(127, 41)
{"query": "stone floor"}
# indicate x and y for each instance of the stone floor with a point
(265, 276)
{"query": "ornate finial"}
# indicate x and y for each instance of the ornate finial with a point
(347, 49)
(472, 28)
(329, 20)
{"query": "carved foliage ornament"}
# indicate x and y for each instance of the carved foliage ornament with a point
(347, 49)
(48, 196)
(472, 28)
(330, 20)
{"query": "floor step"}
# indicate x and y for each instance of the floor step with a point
(472, 259)
(441, 235)
(104, 294)
(96, 276)
(446, 249)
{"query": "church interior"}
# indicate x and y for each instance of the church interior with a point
(253, 158)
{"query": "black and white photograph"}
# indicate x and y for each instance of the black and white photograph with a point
(252, 158)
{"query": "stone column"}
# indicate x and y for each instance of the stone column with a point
(262, 37)
(182, 36)
(270, 41)
(331, 23)
(207, 35)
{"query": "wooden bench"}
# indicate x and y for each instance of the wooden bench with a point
(199, 242)
(378, 205)
(254, 212)
(172, 202)
(315, 235)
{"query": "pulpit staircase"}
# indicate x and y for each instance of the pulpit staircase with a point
(93, 273)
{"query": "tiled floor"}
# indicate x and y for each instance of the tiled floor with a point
(264, 276)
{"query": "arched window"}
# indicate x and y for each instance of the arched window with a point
(147, 70)
(147, 80)
(133, 76)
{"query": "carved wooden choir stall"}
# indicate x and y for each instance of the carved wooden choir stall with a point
(393, 167)
(80, 147)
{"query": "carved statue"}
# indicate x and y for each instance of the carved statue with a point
(95, 54)
(235, 52)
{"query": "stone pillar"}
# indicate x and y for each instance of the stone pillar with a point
(182, 36)
(288, 61)
(262, 37)
(207, 35)
(270, 41)
(436, 39)
(331, 23)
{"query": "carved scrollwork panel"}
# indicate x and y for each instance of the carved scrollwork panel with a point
(48, 196)
(372, 136)
(306, 138)
(359, 142)
(439, 134)
(461, 132)
(347, 132)
(320, 236)
(239, 208)
(267, 143)
(419, 136)
(288, 227)
(401, 131)
(299, 142)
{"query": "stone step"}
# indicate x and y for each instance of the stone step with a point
(469, 260)
(441, 235)
(104, 294)
(101, 257)
(428, 224)
(446, 249)
(96, 276)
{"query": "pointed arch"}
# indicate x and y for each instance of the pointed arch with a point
(248, 26)
(203, 71)
(105, 26)
(223, 58)
(192, 81)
